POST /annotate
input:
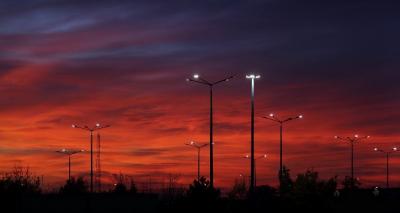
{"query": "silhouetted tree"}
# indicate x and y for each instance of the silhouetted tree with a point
(133, 189)
(286, 182)
(201, 190)
(74, 187)
(310, 184)
(350, 183)
(120, 188)
(239, 189)
(19, 181)
(306, 183)
(329, 187)
(171, 189)
(265, 192)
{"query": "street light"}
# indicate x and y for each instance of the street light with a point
(198, 147)
(252, 166)
(69, 153)
(197, 79)
(91, 130)
(264, 156)
(352, 140)
(387, 153)
(274, 118)
(243, 177)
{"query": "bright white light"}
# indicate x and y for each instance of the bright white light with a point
(394, 148)
(300, 116)
(191, 142)
(97, 125)
(73, 125)
(196, 76)
(252, 76)
(356, 136)
(271, 115)
(247, 156)
(375, 149)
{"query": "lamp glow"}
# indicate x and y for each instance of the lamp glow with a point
(252, 76)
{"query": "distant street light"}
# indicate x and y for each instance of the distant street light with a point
(198, 147)
(274, 118)
(352, 140)
(91, 130)
(387, 153)
(243, 177)
(69, 153)
(264, 156)
(252, 77)
(197, 79)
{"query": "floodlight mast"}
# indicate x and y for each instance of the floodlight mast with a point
(352, 140)
(198, 147)
(197, 79)
(252, 77)
(255, 166)
(97, 127)
(69, 153)
(275, 118)
(387, 154)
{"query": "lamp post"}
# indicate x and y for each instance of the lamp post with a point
(255, 167)
(91, 130)
(197, 79)
(198, 147)
(69, 153)
(243, 177)
(252, 77)
(274, 118)
(387, 153)
(352, 140)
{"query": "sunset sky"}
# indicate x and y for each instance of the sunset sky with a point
(124, 63)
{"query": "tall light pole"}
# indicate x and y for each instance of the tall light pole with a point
(197, 79)
(198, 147)
(91, 130)
(387, 153)
(252, 77)
(255, 166)
(69, 153)
(352, 140)
(274, 118)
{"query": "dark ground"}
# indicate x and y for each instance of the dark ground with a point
(358, 201)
